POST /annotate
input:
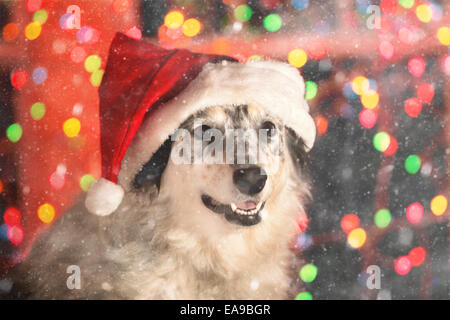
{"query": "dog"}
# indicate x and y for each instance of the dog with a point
(190, 230)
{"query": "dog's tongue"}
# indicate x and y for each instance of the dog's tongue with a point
(248, 205)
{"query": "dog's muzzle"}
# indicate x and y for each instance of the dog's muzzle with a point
(243, 214)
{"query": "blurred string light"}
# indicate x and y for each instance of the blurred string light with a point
(19, 79)
(300, 4)
(308, 273)
(10, 32)
(174, 19)
(416, 66)
(439, 205)
(402, 265)
(417, 256)
(382, 218)
(86, 181)
(360, 85)
(413, 107)
(33, 30)
(443, 35)
(58, 178)
(78, 54)
(368, 118)
(243, 13)
(16, 234)
(357, 238)
(11, 216)
(424, 13)
(386, 49)
(88, 35)
(92, 63)
(407, 4)
(381, 141)
(37, 111)
(349, 222)
(39, 75)
(46, 213)
(297, 58)
(370, 99)
(304, 296)
(425, 92)
(389, 6)
(14, 132)
(414, 212)
(40, 16)
(72, 127)
(191, 27)
(33, 5)
(120, 6)
(412, 164)
(321, 124)
(273, 22)
(310, 90)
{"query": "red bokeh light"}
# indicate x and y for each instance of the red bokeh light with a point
(417, 256)
(416, 67)
(11, 216)
(402, 265)
(414, 212)
(19, 79)
(425, 92)
(349, 222)
(368, 118)
(393, 146)
(413, 107)
(16, 234)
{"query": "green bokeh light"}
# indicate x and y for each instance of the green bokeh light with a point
(304, 296)
(14, 132)
(86, 181)
(412, 164)
(273, 22)
(37, 111)
(308, 273)
(381, 141)
(382, 218)
(406, 3)
(243, 13)
(310, 90)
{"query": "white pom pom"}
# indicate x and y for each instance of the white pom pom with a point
(103, 197)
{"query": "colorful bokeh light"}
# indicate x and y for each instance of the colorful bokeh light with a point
(414, 212)
(46, 213)
(402, 265)
(273, 22)
(349, 222)
(308, 273)
(72, 127)
(357, 238)
(439, 205)
(413, 164)
(382, 218)
(297, 58)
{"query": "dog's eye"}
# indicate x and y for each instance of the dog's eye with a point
(269, 127)
(200, 131)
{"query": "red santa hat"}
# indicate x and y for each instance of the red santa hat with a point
(148, 91)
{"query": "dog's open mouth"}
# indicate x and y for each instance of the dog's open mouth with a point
(244, 214)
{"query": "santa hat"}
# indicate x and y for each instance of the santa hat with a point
(148, 91)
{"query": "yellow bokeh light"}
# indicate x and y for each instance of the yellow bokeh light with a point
(33, 30)
(72, 127)
(356, 238)
(360, 85)
(174, 20)
(92, 63)
(439, 205)
(97, 77)
(191, 27)
(46, 213)
(370, 99)
(424, 13)
(443, 35)
(297, 58)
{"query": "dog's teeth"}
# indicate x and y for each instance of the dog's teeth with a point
(233, 207)
(259, 206)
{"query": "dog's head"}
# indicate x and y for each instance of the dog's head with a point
(228, 168)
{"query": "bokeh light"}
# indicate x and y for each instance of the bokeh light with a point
(413, 107)
(174, 19)
(370, 99)
(297, 58)
(10, 32)
(407, 4)
(40, 16)
(308, 273)
(368, 118)
(417, 256)
(412, 164)
(16, 234)
(381, 141)
(33, 30)
(414, 212)
(416, 66)
(360, 84)
(402, 265)
(382, 218)
(304, 296)
(11, 216)
(37, 111)
(356, 238)
(77, 54)
(321, 124)
(273, 22)
(243, 13)
(19, 79)
(392, 148)
(72, 127)
(86, 181)
(92, 63)
(191, 27)
(424, 13)
(425, 92)
(310, 90)
(439, 205)
(39, 75)
(443, 35)
(46, 213)
(14, 132)
(120, 6)
(349, 222)
(33, 5)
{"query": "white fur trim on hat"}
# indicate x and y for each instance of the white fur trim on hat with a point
(103, 197)
(275, 86)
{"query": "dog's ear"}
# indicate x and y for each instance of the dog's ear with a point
(151, 172)
(297, 148)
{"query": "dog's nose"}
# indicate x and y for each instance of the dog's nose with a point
(250, 180)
